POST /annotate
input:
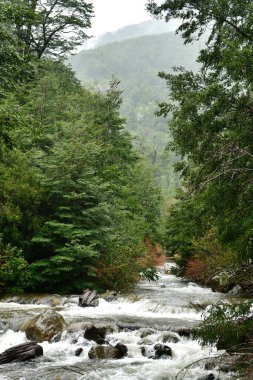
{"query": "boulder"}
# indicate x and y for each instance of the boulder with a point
(109, 296)
(44, 326)
(146, 332)
(89, 298)
(78, 351)
(21, 353)
(97, 334)
(161, 350)
(108, 352)
(184, 332)
(169, 337)
(207, 377)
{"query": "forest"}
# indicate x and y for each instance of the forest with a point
(79, 198)
(76, 198)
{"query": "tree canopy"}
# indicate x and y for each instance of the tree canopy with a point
(212, 123)
(49, 27)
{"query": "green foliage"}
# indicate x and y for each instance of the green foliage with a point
(14, 271)
(211, 127)
(70, 180)
(210, 122)
(151, 274)
(227, 325)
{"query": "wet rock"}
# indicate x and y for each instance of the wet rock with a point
(162, 350)
(44, 326)
(169, 337)
(237, 290)
(21, 353)
(95, 334)
(3, 326)
(89, 298)
(159, 351)
(207, 377)
(108, 352)
(146, 332)
(226, 368)
(78, 351)
(184, 332)
(128, 326)
(110, 296)
(56, 301)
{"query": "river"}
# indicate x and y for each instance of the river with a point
(169, 304)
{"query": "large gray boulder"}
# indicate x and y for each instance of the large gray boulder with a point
(44, 327)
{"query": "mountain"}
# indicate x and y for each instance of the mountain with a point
(136, 30)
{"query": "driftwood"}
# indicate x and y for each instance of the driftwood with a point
(88, 298)
(21, 353)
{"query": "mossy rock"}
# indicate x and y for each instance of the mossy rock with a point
(44, 326)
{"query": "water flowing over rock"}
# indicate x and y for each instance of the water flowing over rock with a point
(44, 327)
(21, 353)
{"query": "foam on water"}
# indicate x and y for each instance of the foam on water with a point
(141, 309)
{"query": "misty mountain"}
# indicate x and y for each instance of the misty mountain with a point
(136, 63)
(145, 28)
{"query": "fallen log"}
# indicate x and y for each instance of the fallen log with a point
(21, 353)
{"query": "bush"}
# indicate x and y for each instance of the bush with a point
(228, 326)
(14, 270)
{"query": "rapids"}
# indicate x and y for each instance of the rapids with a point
(168, 304)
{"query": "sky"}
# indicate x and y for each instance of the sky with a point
(111, 15)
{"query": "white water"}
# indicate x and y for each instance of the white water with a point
(164, 305)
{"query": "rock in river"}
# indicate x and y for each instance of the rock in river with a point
(96, 334)
(108, 352)
(88, 298)
(44, 326)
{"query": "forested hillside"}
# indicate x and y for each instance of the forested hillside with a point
(77, 201)
(136, 63)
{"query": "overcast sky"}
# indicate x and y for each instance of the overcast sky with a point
(111, 15)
